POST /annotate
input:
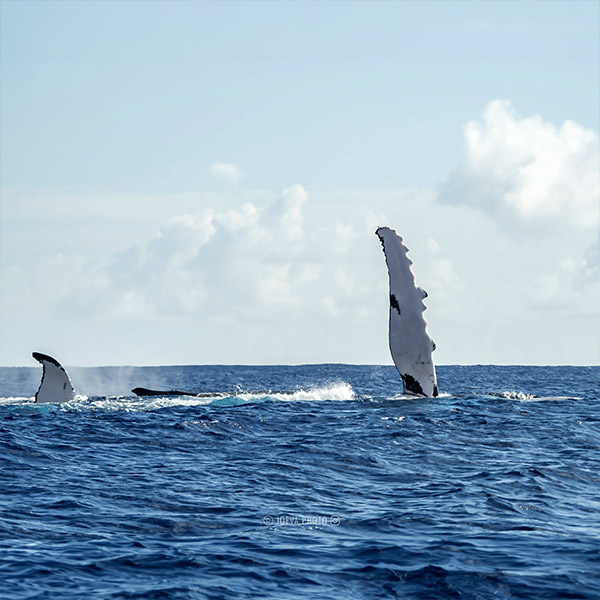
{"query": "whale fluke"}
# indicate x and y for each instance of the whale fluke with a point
(410, 345)
(56, 385)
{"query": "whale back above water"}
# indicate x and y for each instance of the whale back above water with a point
(55, 386)
(410, 344)
(142, 392)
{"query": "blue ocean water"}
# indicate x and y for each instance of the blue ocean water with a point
(318, 481)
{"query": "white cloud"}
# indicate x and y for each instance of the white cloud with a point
(286, 213)
(445, 284)
(246, 276)
(528, 170)
(250, 262)
(589, 269)
(566, 290)
(225, 172)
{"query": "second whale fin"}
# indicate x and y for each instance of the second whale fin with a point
(56, 386)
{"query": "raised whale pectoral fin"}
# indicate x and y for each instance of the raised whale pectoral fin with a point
(55, 386)
(410, 345)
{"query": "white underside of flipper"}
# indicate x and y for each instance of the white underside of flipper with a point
(55, 386)
(410, 344)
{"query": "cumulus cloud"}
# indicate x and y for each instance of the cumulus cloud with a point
(225, 172)
(248, 262)
(445, 282)
(527, 170)
(589, 272)
(255, 276)
(572, 288)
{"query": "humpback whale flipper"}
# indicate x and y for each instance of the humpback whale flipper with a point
(56, 385)
(410, 345)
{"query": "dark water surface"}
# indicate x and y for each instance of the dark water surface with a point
(332, 486)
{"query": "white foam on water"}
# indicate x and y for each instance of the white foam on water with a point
(337, 391)
(16, 400)
(549, 398)
(135, 404)
(409, 396)
(512, 395)
(524, 397)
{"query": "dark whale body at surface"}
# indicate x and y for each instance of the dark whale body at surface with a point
(140, 391)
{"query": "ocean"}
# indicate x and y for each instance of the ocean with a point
(315, 481)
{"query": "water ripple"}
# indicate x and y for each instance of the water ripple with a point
(338, 487)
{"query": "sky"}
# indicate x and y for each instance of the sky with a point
(200, 182)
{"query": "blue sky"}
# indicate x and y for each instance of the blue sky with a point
(123, 232)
